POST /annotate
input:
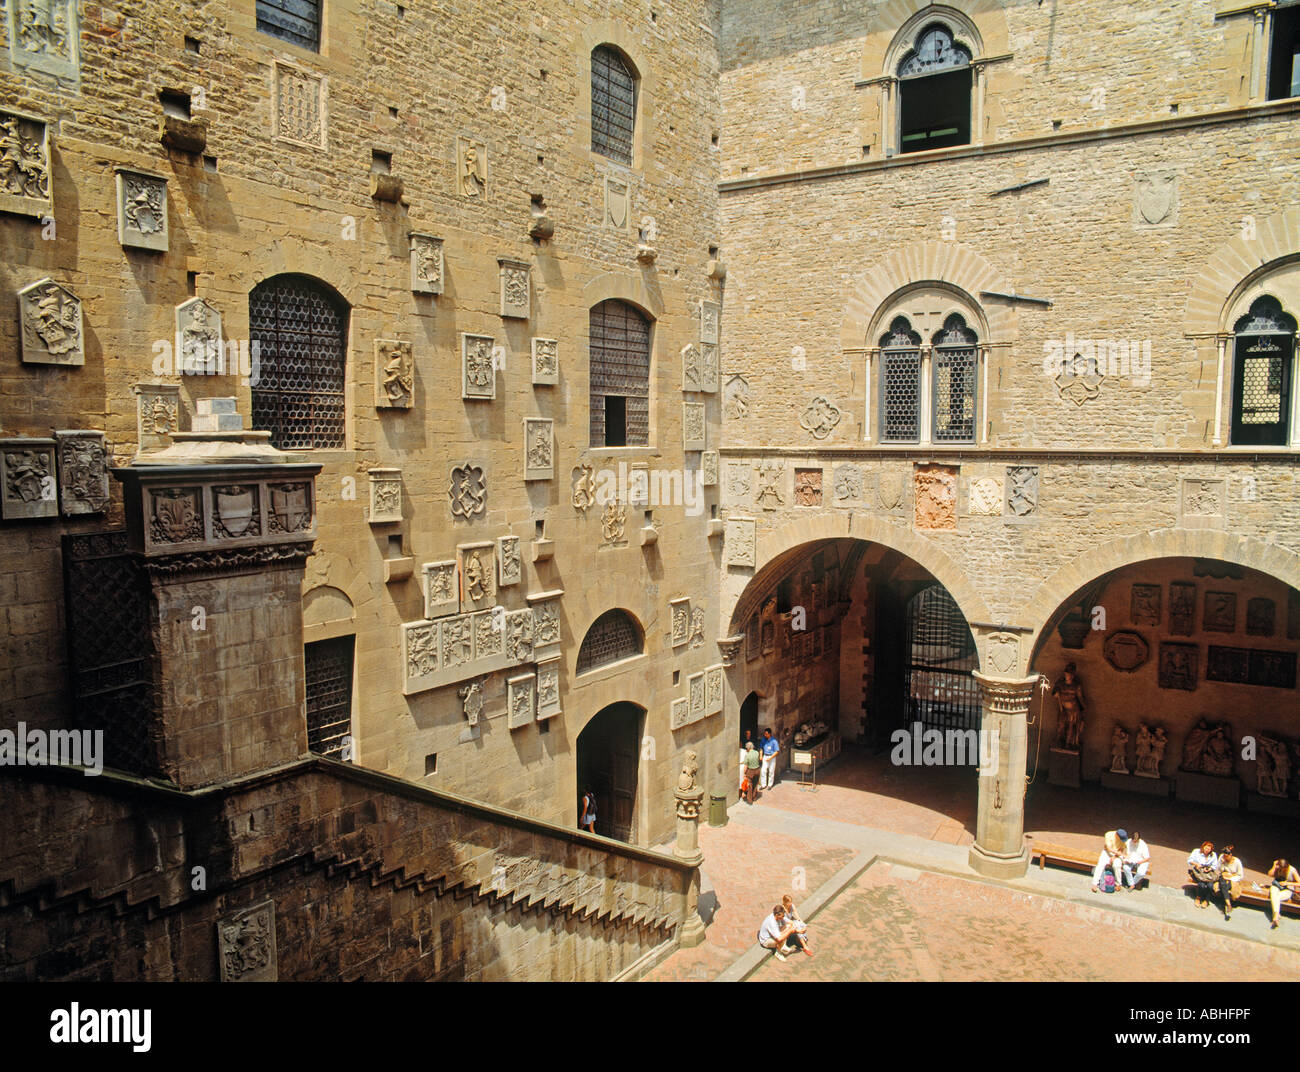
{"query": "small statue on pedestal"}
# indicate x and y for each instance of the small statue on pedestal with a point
(1274, 767)
(1150, 751)
(1118, 741)
(1068, 691)
(1194, 746)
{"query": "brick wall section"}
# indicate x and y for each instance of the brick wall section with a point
(371, 879)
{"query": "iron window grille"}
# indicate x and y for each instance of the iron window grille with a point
(329, 694)
(620, 369)
(295, 21)
(300, 329)
(1263, 369)
(953, 393)
(900, 383)
(613, 104)
(612, 636)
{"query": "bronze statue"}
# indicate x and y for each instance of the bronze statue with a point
(1068, 691)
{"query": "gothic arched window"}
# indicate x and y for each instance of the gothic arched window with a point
(900, 383)
(934, 91)
(1262, 374)
(955, 363)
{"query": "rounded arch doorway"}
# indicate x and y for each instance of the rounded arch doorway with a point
(609, 759)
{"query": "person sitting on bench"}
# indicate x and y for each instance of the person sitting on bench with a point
(1137, 861)
(1283, 882)
(777, 934)
(1231, 872)
(1112, 858)
(1203, 868)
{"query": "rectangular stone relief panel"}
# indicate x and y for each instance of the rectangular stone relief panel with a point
(300, 106)
(141, 210)
(739, 542)
(29, 479)
(421, 655)
(246, 941)
(713, 690)
(738, 484)
(693, 426)
(456, 641)
(935, 493)
(709, 469)
(478, 366)
(516, 289)
(521, 700)
(157, 414)
(394, 374)
(808, 487)
(1261, 613)
(546, 361)
(1220, 612)
(426, 263)
(546, 628)
(679, 614)
(695, 693)
(709, 368)
(83, 473)
(986, 497)
(548, 689)
(478, 569)
(1182, 608)
(199, 350)
(539, 448)
(509, 561)
(385, 495)
(710, 322)
(489, 635)
(1203, 503)
(519, 635)
(471, 168)
(638, 485)
(692, 368)
(1022, 491)
(441, 589)
(1179, 666)
(44, 36)
(681, 714)
(25, 188)
(49, 316)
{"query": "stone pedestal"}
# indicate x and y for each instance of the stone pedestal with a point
(689, 799)
(222, 524)
(1063, 768)
(1266, 805)
(1221, 791)
(999, 850)
(1131, 783)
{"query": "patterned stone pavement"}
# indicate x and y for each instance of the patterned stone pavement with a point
(748, 870)
(896, 924)
(911, 922)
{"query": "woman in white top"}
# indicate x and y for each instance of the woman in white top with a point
(1231, 872)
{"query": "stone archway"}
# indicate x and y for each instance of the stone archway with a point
(608, 764)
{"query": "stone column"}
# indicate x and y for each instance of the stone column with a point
(689, 798)
(999, 850)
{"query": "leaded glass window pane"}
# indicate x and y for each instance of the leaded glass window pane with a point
(613, 104)
(296, 21)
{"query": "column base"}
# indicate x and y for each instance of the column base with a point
(691, 932)
(998, 865)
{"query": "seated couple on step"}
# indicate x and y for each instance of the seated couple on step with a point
(1126, 858)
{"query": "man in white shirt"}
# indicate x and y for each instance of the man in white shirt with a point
(1137, 861)
(776, 934)
(1112, 858)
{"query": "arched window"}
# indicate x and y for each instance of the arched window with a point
(620, 376)
(934, 91)
(613, 104)
(900, 383)
(955, 362)
(300, 327)
(613, 636)
(1262, 374)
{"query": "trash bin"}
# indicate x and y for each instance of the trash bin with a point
(717, 809)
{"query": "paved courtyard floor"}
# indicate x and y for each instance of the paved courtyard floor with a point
(876, 861)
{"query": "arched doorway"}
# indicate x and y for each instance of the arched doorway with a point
(749, 717)
(609, 756)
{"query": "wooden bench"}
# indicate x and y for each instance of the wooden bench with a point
(1253, 898)
(1075, 859)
